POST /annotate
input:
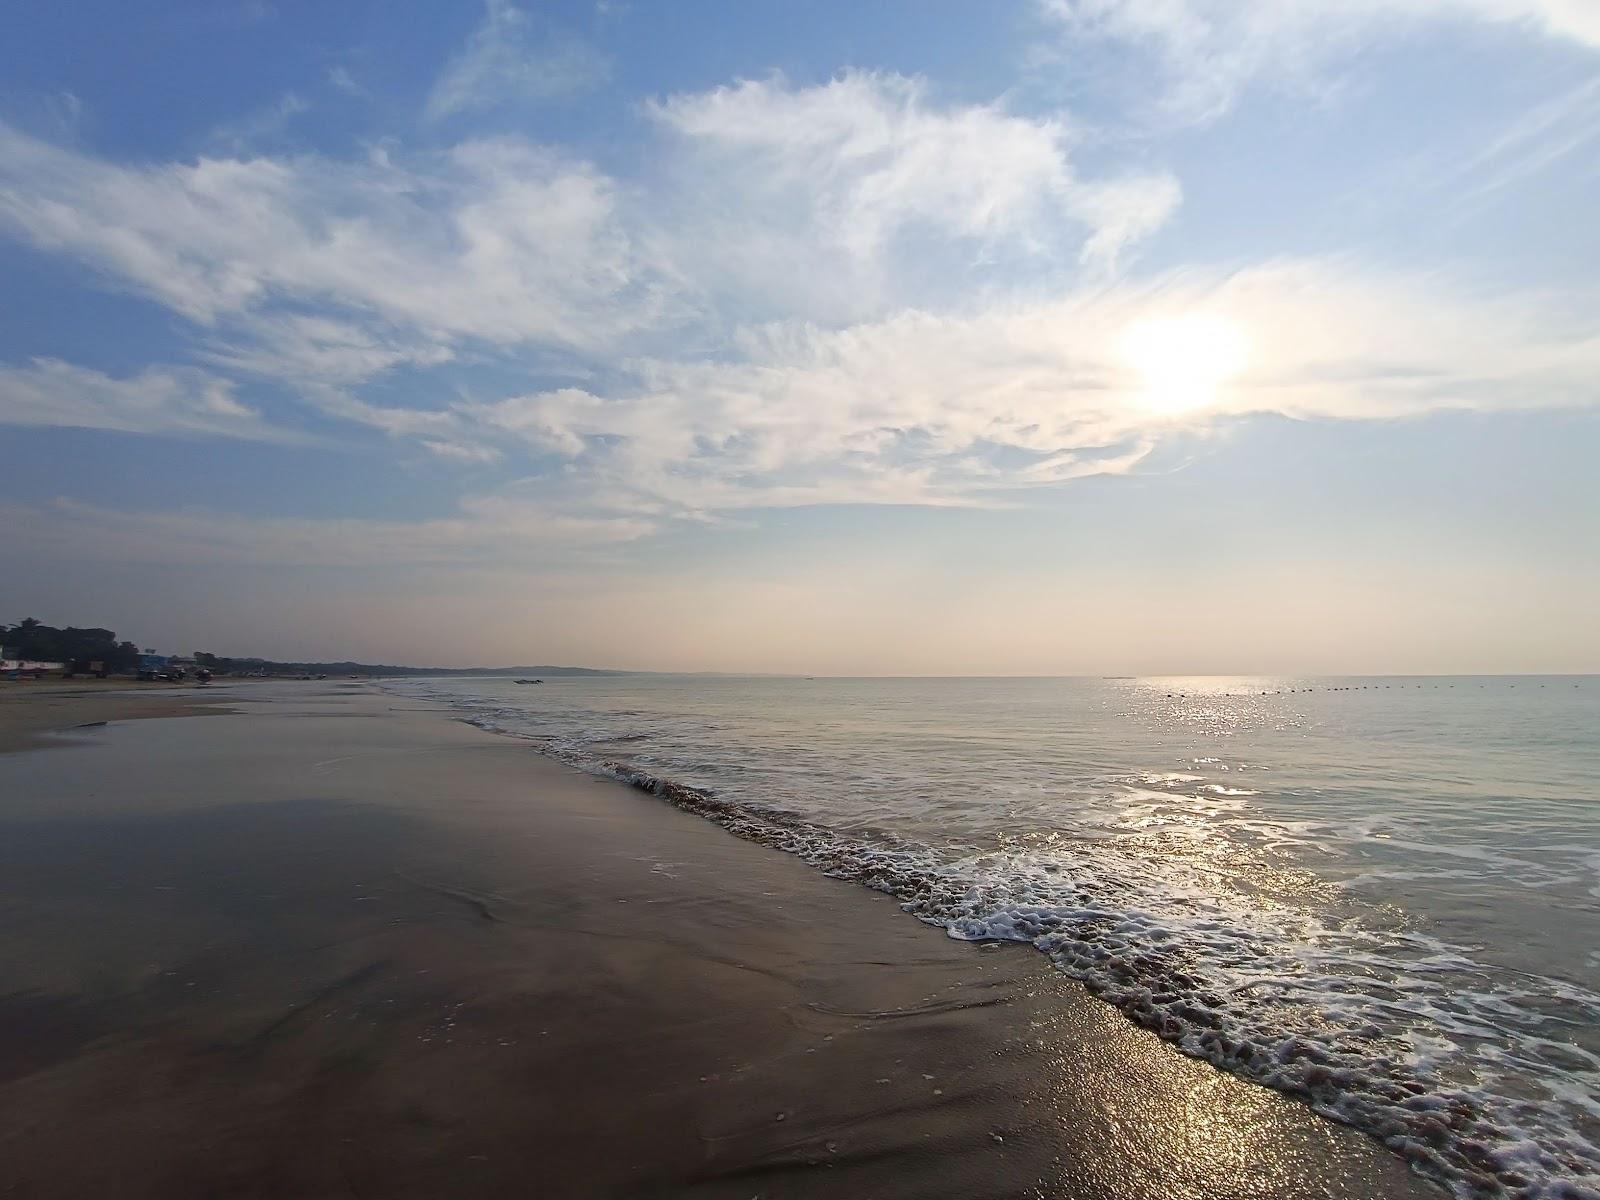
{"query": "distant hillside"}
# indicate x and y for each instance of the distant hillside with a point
(528, 671)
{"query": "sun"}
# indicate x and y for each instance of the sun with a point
(1183, 360)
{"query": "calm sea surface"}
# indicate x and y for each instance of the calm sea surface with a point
(1380, 894)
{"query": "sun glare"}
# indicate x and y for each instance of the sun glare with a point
(1183, 360)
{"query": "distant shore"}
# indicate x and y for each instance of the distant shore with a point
(323, 941)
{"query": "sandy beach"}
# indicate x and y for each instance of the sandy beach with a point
(318, 940)
(31, 710)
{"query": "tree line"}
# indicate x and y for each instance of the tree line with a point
(32, 639)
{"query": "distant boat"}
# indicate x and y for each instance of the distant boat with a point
(527, 681)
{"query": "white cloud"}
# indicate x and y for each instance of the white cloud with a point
(461, 451)
(268, 123)
(1537, 139)
(880, 299)
(847, 196)
(497, 240)
(932, 408)
(829, 203)
(1212, 49)
(510, 59)
(319, 351)
(341, 78)
(161, 400)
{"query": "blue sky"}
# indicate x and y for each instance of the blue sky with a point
(1100, 336)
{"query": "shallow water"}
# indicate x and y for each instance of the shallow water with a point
(1381, 894)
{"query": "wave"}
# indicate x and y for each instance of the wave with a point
(1366, 1027)
(1140, 963)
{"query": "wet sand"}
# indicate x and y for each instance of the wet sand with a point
(335, 944)
(30, 709)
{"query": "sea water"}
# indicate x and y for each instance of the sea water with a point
(1379, 894)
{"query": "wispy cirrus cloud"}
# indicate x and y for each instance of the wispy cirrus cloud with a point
(341, 78)
(844, 293)
(514, 57)
(321, 351)
(1537, 139)
(826, 203)
(843, 195)
(266, 124)
(494, 240)
(1211, 50)
(158, 400)
(965, 408)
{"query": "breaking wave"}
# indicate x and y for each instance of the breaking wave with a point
(1396, 1033)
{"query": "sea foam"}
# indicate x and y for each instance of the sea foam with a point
(1394, 1030)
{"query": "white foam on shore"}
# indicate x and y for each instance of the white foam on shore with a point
(1390, 1031)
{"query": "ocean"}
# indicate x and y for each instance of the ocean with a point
(1379, 894)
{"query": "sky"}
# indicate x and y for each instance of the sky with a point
(924, 337)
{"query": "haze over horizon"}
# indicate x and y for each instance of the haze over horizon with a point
(1065, 337)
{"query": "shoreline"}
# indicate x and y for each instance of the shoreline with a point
(350, 945)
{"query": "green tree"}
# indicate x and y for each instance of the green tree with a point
(32, 639)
